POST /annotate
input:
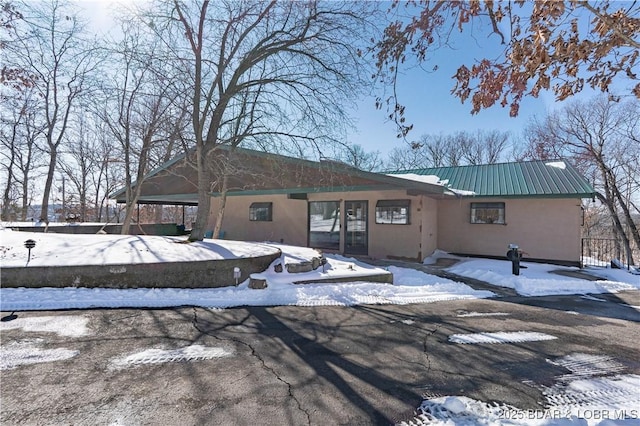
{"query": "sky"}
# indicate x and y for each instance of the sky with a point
(432, 109)
(430, 106)
(609, 391)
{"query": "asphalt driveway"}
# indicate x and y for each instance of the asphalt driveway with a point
(306, 365)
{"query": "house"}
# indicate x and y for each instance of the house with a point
(466, 210)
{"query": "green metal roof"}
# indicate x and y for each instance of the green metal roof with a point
(522, 179)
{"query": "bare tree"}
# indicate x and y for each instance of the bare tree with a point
(137, 110)
(481, 147)
(461, 148)
(50, 46)
(107, 177)
(21, 159)
(77, 163)
(12, 75)
(407, 157)
(356, 156)
(440, 150)
(599, 137)
(298, 62)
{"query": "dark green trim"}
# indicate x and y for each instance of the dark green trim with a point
(174, 199)
(531, 196)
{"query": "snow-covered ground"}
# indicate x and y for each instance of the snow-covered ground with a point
(538, 279)
(410, 286)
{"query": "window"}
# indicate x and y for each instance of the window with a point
(261, 212)
(394, 212)
(487, 213)
(324, 224)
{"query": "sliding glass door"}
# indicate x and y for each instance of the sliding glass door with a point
(324, 224)
(356, 234)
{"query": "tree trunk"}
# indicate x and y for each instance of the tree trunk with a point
(613, 194)
(614, 215)
(128, 217)
(44, 212)
(6, 199)
(204, 197)
(25, 197)
(223, 204)
(629, 220)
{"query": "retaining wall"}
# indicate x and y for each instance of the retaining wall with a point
(170, 229)
(202, 274)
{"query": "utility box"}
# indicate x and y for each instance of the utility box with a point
(514, 255)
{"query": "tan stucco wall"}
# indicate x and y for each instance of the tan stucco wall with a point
(290, 222)
(543, 228)
(384, 239)
(429, 230)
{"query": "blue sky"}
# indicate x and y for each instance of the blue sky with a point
(432, 109)
(430, 106)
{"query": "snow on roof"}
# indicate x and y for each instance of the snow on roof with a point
(433, 180)
(557, 164)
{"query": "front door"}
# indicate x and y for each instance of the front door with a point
(355, 225)
(324, 225)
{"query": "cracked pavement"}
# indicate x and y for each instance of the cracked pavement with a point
(308, 365)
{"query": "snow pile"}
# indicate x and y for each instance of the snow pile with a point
(587, 365)
(431, 179)
(612, 394)
(157, 356)
(591, 395)
(410, 286)
(464, 411)
(276, 294)
(30, 352)
(66, 325)
(437, 255)
(500, 337)
(336, 267)
(537, 279)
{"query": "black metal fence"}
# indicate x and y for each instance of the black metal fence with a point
(602, 251)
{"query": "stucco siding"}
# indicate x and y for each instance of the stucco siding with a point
(429, 229)
(544, 228)
(385, 239)
(290, 222)
(288, 226)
